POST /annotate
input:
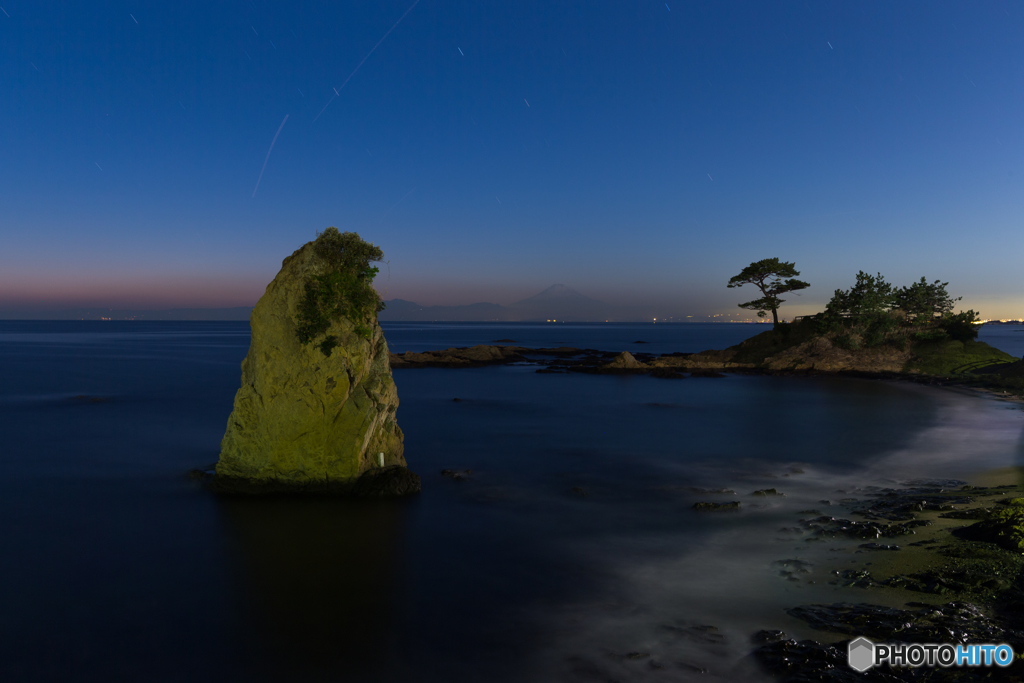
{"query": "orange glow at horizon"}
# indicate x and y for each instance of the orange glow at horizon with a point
(138, 291)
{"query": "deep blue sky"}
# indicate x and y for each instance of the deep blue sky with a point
(661, 150)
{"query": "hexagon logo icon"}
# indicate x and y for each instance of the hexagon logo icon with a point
(861, 653)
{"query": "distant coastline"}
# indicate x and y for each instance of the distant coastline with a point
(422, 314)
(557, 303)
(182, 314)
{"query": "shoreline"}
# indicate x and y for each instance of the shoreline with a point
(938, 582)
(931, 583)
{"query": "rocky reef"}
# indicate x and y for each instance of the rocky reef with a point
(793, 348)
(316, 416)
(480, 355)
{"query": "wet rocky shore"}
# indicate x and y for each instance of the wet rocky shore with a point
(949, 551)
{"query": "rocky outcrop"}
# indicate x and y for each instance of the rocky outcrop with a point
(474, 356)
(801, 349)
(308, 418)
(821, 355)
(705, 360)
(818, 355)
(480, 355)
(624, 361)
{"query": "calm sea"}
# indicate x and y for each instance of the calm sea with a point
(115, 567)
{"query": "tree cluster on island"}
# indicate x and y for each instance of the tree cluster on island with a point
(872, 312)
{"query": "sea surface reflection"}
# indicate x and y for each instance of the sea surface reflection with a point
(569, 551)
(318, 581)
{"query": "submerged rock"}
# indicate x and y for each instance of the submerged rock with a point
(704, 372)
(89, 399)
(717, 507)
(387, 481)
(765, 636)
(878, 546)
(789, 661)
(954, 622)
(834, 527)
(318, 415)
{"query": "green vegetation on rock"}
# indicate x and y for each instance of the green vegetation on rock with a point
(1004, 527)
(340, 285)
(952, 357)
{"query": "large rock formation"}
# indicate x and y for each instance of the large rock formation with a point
(309, 416)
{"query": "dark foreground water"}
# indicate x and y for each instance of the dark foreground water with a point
(114, 567)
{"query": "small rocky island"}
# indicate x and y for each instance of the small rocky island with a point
(316, 409)
(872, 330)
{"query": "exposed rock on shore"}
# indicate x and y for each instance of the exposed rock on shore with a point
(818, 355)
(789, 661)
(313, 417)
(474, 356)
(482, 354)
(624, 361)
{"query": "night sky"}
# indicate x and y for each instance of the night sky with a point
(639, 152)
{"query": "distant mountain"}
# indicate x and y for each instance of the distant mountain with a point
(555, 293)
(557, 302)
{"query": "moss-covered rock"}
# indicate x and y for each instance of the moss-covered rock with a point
(1004, 527)
(949, 357)
(304, 418)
